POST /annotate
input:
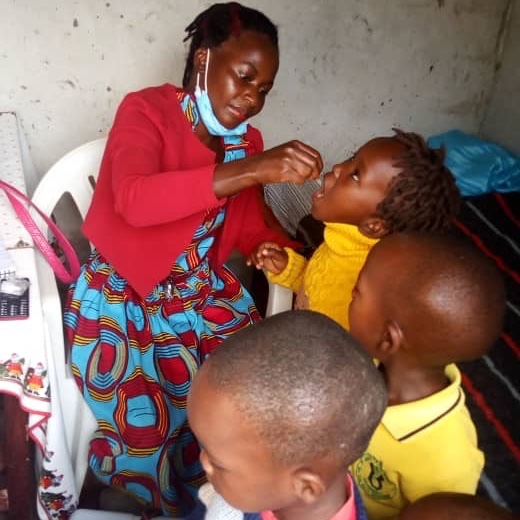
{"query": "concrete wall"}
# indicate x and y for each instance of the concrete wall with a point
(350, 69)
(502, 120)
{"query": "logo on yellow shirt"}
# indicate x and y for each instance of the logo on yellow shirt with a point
(371, 478)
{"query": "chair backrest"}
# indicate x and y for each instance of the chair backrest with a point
(75, 173)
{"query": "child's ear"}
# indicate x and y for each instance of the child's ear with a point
(392, 339)
(373, 227)
(308, 486)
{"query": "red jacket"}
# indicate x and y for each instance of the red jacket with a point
(154, 186)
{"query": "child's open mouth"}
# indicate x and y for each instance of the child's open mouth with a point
(320, 192)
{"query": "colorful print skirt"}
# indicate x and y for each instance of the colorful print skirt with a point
(134, 361)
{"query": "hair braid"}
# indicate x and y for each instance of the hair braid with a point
(423, 196)
(219, 22)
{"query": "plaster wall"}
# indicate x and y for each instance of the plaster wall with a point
(502, 120)
(350, 69)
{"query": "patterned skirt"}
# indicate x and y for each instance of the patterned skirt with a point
(134, 361)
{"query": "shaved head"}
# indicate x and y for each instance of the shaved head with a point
(454, 506)
(447, 297)
(303, 383)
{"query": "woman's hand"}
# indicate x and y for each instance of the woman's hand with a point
(270, 256)
(293, 161)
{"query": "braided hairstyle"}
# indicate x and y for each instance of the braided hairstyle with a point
(220, 21)
(423, 196)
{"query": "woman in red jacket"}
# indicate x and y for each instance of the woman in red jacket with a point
(178, 190)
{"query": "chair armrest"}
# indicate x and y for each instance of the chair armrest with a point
(279, 299)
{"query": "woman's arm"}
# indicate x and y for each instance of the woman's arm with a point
(294, 162)
(159, 171)
(150, 131)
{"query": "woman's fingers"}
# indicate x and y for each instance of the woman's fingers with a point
(303, 162)
(309, 163)
(293, 161)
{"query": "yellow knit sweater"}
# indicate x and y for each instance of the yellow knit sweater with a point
(330, 275)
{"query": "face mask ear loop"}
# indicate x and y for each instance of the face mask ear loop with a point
(206, 73)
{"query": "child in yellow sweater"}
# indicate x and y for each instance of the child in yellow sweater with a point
(390, 184)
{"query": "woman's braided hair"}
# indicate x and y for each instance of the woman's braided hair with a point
(220, 21)
(423, 196)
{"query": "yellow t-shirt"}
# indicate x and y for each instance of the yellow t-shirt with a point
(327, 279)
(422, 447)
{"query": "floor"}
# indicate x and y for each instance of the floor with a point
(94, 495)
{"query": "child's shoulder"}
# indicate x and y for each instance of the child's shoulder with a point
(407, 419)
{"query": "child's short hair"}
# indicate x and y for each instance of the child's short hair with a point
(423, 196)
(218, 23)
(304, 384)
(447, 283)
(445, 506)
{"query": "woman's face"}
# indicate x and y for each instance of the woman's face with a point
(241, 72)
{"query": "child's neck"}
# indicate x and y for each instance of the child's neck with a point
(407, 384)
(323, 509)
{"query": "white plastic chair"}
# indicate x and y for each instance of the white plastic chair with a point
(75, 174)
(279, 299)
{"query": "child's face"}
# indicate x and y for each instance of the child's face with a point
(237, 463)
(241, 72)
(351, 192)
(366, 313)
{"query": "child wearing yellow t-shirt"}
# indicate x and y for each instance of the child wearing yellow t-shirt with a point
(422, 303)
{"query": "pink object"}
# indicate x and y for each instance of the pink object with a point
(17, 199)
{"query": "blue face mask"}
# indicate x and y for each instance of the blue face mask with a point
(212, 124)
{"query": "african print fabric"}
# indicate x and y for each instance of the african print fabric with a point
(134, 361)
